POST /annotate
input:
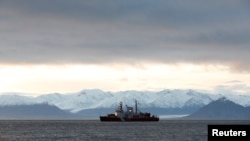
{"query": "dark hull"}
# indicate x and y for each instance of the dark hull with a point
(117, 119)
(142, 119)
(104, 118)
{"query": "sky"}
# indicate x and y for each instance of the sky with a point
(63, 46)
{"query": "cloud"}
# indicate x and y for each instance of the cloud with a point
(62, 31)
(234, 82)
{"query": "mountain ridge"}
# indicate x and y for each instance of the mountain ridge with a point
(35, 111)
(221, 108)
(95, 98)
(92, 103)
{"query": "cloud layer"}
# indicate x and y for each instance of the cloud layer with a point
(111, 31)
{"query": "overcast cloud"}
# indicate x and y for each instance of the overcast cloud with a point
(116, 31)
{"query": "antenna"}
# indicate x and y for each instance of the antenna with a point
(135, 106)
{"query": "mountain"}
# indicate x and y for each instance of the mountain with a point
(222, 109)
(170, 99)
(16, 99)
(95, 102)
(75, 102)
(36, 111)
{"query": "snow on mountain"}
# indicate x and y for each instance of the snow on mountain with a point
(16, 99)
(170, 99)
(243, 100)
(144, 99)
(76, 101)
(95, 98)
(221, 109)
(180, 98)
(196, 98)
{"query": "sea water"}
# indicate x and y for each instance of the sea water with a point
(94, 130)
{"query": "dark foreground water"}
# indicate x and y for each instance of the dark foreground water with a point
(94, 130)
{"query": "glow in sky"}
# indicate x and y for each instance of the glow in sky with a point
(66, 46)
(70, 78)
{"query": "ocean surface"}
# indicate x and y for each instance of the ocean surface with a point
(94, 130)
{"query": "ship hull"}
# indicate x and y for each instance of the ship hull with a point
(141, 119)
(117, 119)
(104, 118)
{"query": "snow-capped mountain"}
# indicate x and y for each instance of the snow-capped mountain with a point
(96, 99)
(16, 99)
(221, 109)
(76, 101)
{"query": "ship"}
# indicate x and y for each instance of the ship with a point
(129, 115)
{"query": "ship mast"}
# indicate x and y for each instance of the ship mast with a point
(120, 107)
(135, 106)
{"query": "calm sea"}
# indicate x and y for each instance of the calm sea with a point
(94, 130)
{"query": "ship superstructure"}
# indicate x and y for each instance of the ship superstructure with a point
(131, 114)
